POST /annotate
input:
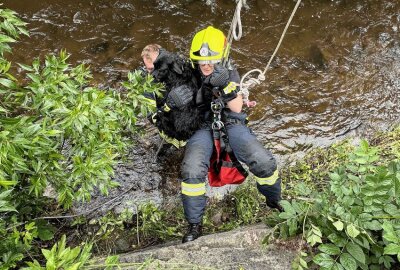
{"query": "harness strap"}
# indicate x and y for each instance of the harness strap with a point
(221, 141)
(228, 149)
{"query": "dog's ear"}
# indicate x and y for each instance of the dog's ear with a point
(177, 68)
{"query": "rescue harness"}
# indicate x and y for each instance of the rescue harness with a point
(224, 168)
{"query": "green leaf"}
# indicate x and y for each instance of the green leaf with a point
(26, 67)
(392, 209)
(289, 210)
(387, 261)
(353, 178)
(313, 239)
(7, 83)
(364, 145)
(356, 251)
(352, 231)
(45, 230)
(335, 177)
(348, 261)
(389, 234)
(329, 249)
(337, 240)
(6, 183)
(392, 249)
(303, 263)
(74, 266)
(337, 266)
(302, 189)
(6, 39)
(111, 261)
(47, 254)
(338, 225)
(53, 132)
(292, 223)
(373, 225)
(323, 260)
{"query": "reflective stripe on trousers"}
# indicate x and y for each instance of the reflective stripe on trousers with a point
(268, 180)
(193, 190)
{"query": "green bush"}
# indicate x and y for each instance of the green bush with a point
(57, 132)
(354, 222)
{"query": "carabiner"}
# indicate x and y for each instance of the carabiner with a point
(217, 125)
(216, 107)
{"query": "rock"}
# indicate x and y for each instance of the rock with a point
(316, 56)
(122, 245)
(50, 192)
(224, 251)
(99, 47)
(217, 219)
(77, 18)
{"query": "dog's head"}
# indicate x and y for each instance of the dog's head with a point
(167, 67)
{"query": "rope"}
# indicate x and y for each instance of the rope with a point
(244, 86)
(236, 22)
(235, 30)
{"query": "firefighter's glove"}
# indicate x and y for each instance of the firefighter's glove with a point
(178, 98)
(220, 79)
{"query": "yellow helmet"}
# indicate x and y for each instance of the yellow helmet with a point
(208, 46)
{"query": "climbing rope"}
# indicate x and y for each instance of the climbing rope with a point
(236, 24)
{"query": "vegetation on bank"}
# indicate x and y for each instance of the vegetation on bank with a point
(57, 130)
(341, 209)
(346, 214)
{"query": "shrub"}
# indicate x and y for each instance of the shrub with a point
(57, 132)
(354, 223)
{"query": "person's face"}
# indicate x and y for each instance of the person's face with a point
(206, 69)
(148, 61)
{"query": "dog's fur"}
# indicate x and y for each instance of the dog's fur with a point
(173, 71)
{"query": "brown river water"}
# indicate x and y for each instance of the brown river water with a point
(337, 71)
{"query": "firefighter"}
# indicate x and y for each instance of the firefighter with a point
(206, 52)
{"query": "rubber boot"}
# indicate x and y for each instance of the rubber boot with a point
(194, 232)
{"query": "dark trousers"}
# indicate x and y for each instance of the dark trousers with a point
(247, 149)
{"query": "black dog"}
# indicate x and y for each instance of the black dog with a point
(176, 72)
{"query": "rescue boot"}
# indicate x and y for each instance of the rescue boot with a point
(194, 232)
(275, 205)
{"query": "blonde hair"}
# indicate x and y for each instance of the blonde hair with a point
(149, 49)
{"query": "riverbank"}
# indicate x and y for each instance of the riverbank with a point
(242, 207)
